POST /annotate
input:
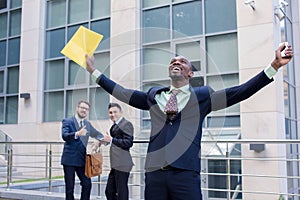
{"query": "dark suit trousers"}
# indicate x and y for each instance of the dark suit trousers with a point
(117, 185)
(173, 184)
(85, 182)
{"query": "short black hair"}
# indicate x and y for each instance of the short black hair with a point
(110, 105)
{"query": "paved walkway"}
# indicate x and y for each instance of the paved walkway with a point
(15, 194)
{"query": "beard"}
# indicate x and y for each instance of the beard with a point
(81, 115)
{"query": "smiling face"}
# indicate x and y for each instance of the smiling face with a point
(114, 113)
(180, 69)
(82, 110)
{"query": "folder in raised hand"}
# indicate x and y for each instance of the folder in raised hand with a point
(84, 41)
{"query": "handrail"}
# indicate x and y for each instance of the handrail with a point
(240, 141)
(50, 161)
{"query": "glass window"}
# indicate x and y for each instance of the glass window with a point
(53, 106)
(13, 51)
(224, 81)
(187, 19)
(151, 3)
(219, 181)
(156, 61)
(286, 99)
(10, 27)
(73, 96)
(15, 3)
(73, 29)
(56, 13)
(147, 86)
(76, 74)
(219, 49)
(78, 10)
(1, 81)
(102, 27)
(99, 100)
(156, 24)
(292, 102)
(189, 50)
(15, 23)
(3, 25)
(100, 8)
(197, 81)
(2, 53)
(228, 121)
(2, 110)
(11, 110)
(54, 74)
(178, 0)
(3, 4)
(13, 80)
(220, 15)
(55, 42)
(102, 63)
(71, 75)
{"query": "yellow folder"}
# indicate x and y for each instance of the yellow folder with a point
(83, 42)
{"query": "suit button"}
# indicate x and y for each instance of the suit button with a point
(171, 123)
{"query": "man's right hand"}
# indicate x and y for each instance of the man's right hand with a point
(90, 64)
(81, 132)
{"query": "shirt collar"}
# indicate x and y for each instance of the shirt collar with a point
(118, 121)
(183, 89)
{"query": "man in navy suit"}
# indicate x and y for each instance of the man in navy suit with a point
(76, 131)
(121, 140)
(173, 156)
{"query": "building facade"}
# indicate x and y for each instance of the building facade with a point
(227, 42)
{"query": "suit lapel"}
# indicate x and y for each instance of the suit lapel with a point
(75, 123)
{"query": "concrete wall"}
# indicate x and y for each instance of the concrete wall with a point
(262, 116)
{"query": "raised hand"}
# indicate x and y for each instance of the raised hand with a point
(280, 61)
(90, 63)
(82, 131)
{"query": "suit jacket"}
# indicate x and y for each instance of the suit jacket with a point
(74, 151)
(177, 142)
(120, 158)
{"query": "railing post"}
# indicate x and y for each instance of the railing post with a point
(228, 173)
(50, 170)
(99, 186)
(46, 162)
(9, 168)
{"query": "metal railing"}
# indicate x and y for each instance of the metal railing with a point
(36, 166)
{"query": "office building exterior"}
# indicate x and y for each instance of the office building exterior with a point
(227, 42)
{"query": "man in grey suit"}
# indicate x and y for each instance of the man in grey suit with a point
(76, 131)
(121, 140)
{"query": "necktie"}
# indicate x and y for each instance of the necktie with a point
(171, 106)
(81, 124)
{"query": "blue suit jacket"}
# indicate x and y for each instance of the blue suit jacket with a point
(177, 142)
(74, 151)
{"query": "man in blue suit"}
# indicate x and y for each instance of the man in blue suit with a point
(76, 131)
(173, 157)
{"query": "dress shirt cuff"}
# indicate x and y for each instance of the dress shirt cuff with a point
(75, 136)
(96, 74)
(270, 71)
